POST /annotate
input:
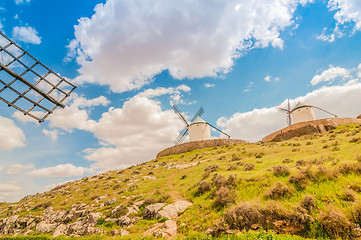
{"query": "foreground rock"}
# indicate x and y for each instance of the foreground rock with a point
(168, 229)
(159, 210)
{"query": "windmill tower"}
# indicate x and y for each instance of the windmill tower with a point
(28, 85)
(198, 129)
(301, 112)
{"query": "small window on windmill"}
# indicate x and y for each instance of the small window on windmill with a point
(28, 85)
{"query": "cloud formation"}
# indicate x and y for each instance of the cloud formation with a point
(17, 168)
(330, 75)
(26, 34)
(21, 1)
(10, 135)
(347, 17)
(126, 43)
(62, 170)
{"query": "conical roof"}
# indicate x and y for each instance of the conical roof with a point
(300, 105)
(198, 120)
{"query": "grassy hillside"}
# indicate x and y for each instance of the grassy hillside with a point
(308, 186)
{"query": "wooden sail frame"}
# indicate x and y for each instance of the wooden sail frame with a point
(28, 85)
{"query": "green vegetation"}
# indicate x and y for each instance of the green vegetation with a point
(308, 186)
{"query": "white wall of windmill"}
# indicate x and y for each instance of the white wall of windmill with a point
(303, 114)
(199, 131)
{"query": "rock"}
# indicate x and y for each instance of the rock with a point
(60, 230)
(92, 218)
(51, 216)
(171, 211)
(139, 203)
(124, 221)
(44, 227)
(151, 210)
(119, 232)
(359, 116)
(132, 209)
(117, 211)
(168, 229)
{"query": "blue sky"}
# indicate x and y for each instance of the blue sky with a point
(132, 59)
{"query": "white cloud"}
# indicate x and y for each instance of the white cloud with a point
(347, 13)
(267, 78)
(145, 38)
(129, 135)
(53, 134)
(330, 74)
(249, 87)
(22, 1)
(62, 170)
(209, 85)
(10, 190)
(26, 34)
(258, 123)
(10, 135)
(17, 168)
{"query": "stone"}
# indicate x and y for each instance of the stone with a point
(168, 230)
(171, 211)
(44, 227)
(92, 218)
(132, 209)
(60, 230)
(151, 210)
(124, 221)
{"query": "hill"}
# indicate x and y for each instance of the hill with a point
(308, 186)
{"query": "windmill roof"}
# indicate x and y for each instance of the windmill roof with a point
(198, 120)
(300, 105)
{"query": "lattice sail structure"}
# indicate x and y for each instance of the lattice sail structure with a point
(28, 85)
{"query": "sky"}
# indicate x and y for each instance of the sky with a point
(131, 60)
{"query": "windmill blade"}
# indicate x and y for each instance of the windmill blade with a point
(325, 111)
(178, 112)
(198, 114)
(181, 136)
(284, 109)
(219, 130)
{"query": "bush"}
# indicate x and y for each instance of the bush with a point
(308, 202)
(223, 197)
(301, 162)
(299, 180)
(243, 216)
(248, 167)
(281, 170)
(232, 167)
(209, 169)
(235, 157)
(203, 187)
(335, 223)
(287, 160)
(348, 196)
(219, 180)
(279, 190)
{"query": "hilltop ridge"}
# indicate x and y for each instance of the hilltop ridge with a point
(307, 186)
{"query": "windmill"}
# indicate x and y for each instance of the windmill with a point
(287, 111)
(302, 112)
(28, 85)
(198, 129)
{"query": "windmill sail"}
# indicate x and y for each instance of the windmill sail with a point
(28, 85)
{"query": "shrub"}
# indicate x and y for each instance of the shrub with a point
(308, 202)
(231, 181)
(164, 198)
(279, 190)
(335, 223)
(309, 143)
(287, 160)
(248, 167)
(281, 170)
(219, 180)
(203, 187)
(223, 197)
(243, 216)
(259, 155)
(358, 158)
(300, 180)
(301, 162)
(235, 157)
(355, 140)
(348, 196)
(232, 167)
(209, 169)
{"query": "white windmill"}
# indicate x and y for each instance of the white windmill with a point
(301, 112)
(198, 129)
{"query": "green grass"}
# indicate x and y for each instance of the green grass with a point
(306, 155)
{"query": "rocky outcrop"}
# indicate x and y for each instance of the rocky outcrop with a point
(170, 211)
(190, 146)
(168, 229)
(303, 128)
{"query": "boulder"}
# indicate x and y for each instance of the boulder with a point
(92, 218)
(124, 221)
(132, 209)
(151, 210)
(60, 230)
(168, 230)
(44, 227)
(171, 211)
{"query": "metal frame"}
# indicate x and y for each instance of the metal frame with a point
(41, 101)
